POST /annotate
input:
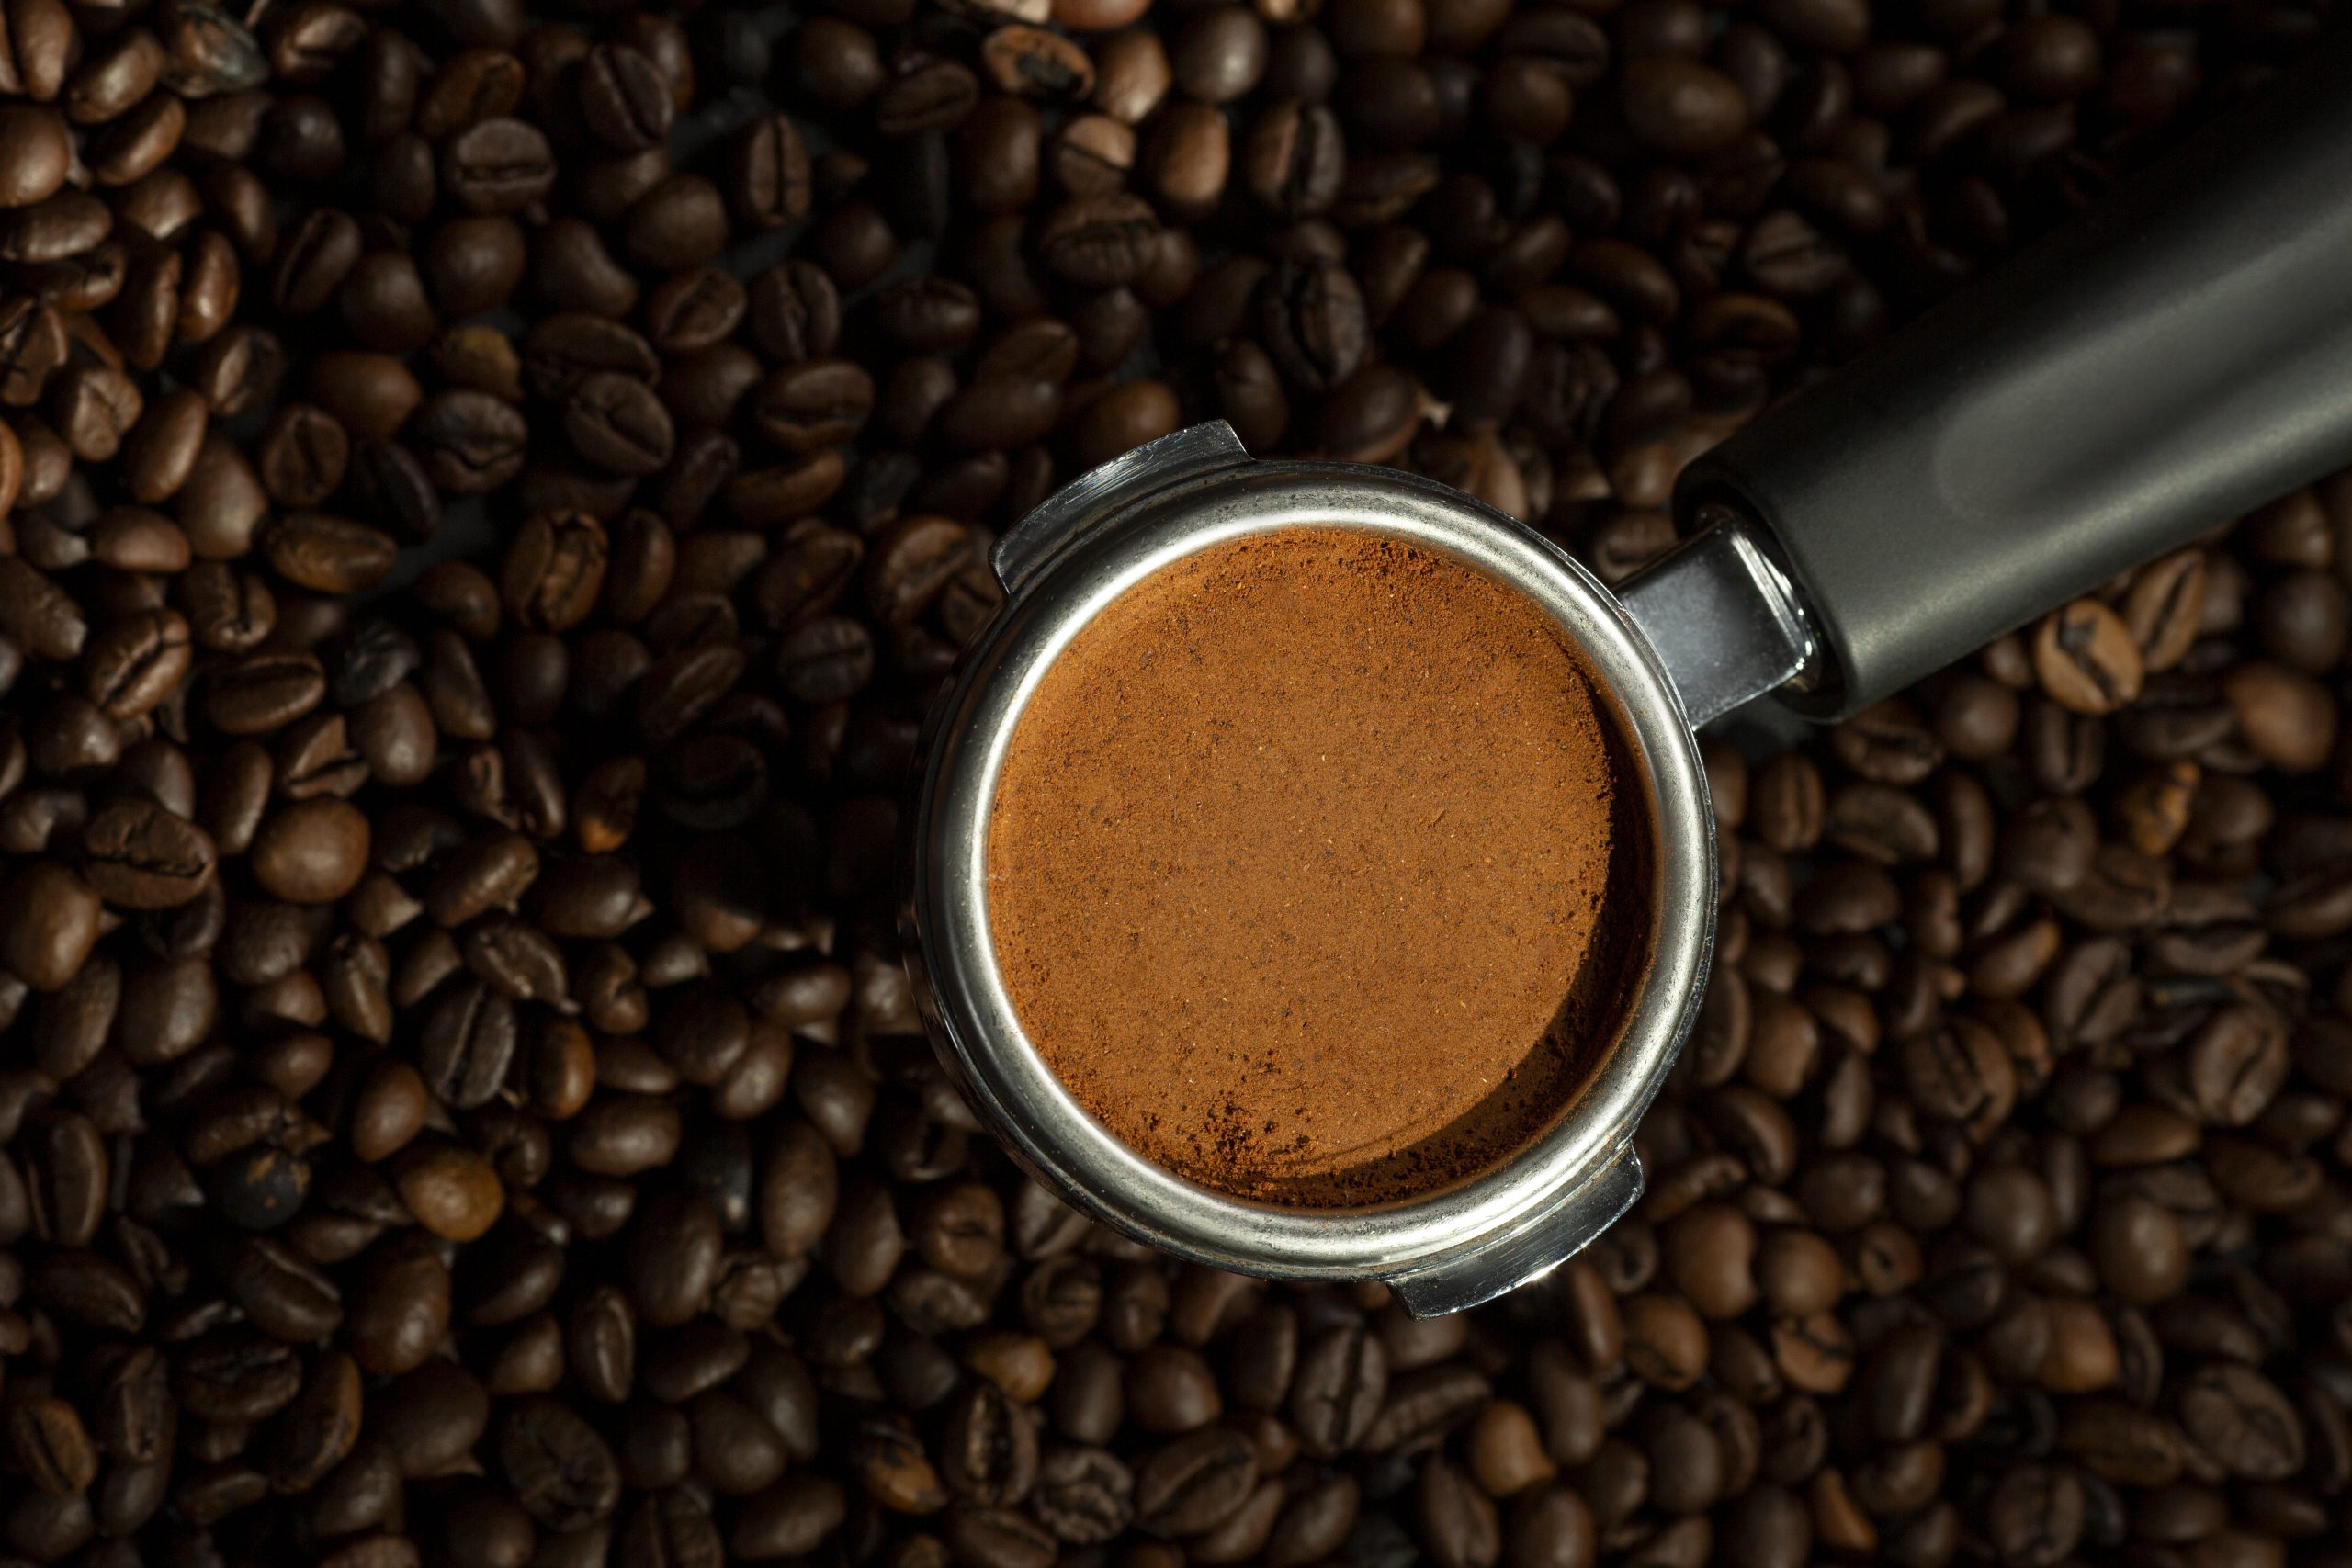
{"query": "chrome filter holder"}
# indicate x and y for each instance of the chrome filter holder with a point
(1716, 607)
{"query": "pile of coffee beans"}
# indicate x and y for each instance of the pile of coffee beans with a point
(486, 498)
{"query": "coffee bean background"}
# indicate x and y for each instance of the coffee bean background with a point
(487, 497)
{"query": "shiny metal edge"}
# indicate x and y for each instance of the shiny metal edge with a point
(1457, 1243)
(1062, 518)
(1724, 617)
(1528, 1252)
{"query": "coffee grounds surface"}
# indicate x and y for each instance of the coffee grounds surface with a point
(1317, 870)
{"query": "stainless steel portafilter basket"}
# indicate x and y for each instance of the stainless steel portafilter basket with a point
(1060, 567)
(2174, 358)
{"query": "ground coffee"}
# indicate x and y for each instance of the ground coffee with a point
(1318, 870)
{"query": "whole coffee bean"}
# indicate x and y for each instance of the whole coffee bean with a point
(313, 851)
(39, 154)
(138, 855)
(1221, 54)
(36, 615)
(770, 179)
(64, 226)
(469, 442)
(989, 416)
(1311, 322)
(1037, 63)
(94, 408)
(329, 554)
(160, 451)
(2240, 1409)
(137, 663)
(2085, 658)
(1000, 1536)
(789, 1519)
(452, 1191)
(673, 1257)
(694, 310)
(933, 94)
(51, 1446)
(303, 455)
(1170, 1388)
(1338, 1391)
(617, 424)
(795, 311)
(560, 1470)
(1083, 1495)
(624, 99)
(50, 925)
(1195, 1483)
(384, 301)
(680, 223)
(1189, 157)
(555, 569)
(571, 270)
(1092, 155)
(498, 165)
(313, 261)
(814, 404)
(1127, 416)
(1294, 159)
(1101, 241)
(467, 1043)
(1678, 106)
(2283, 716)
(282, 1294)
(2164, 607)
(32, 346)
(562, 350)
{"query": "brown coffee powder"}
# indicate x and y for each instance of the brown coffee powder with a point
(1318, 870)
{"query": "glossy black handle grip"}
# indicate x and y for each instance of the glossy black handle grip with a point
(2172, 358)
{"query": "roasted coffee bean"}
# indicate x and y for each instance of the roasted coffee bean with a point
(624, 97)
(329, 554)
(1294, 160)
(1338, 1391)
(311, 851)
(500, 165)
(137, 663)
(52, 1447)
(470, 441)
(930, 94)
(617, 424)
(466, 1042)
(303, 455)
(770, 181)
(39, 153)
(1191, 1485)
(560, 1470)
(694, 310)
(1101, 241)
(1084, 1496)
(138, 855)
(1311, 322)
(813, 404)
(555, 569)
(561, 350)
(795, 312)
(2085, 658)
(2241, 1418)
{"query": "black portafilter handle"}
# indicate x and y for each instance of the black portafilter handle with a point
(2171, 358)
